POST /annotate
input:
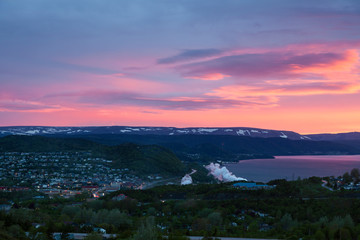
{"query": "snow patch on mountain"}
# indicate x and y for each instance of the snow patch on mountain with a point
(125, 130)
(209, 130)
(240, 132)
(283, 135)
(33, 132)
(133, 129)
(182, 131)
(305, 137)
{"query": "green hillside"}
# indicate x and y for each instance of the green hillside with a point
(141, 159)
(144, 158)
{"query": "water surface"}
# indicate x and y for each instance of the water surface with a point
(292, 167)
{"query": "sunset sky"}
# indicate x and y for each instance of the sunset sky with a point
(274, 64)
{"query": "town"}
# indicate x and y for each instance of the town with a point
(64, 174)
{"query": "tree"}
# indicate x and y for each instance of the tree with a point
(118, 219)
(343, 234)
(84, 215)
(100, 216)
(147, 230)
(71, 211)
(355, 174)
(348, 222)
(151, 211)
(215, 219)
(253, 226)
(347, 178)
(319, 235)
(50, 229)
(287, 222)
(94, 236)
(16, 231)
(323, 221)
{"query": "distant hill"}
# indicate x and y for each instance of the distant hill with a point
(191, 144)
(225, 147)
(335, 136)
(171, 131)
(142, 159)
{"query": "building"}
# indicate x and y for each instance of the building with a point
(251, 185)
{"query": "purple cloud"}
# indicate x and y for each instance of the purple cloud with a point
(272, 64)
(307, 60)
(192, 54)
(20, 105)
(96, 98)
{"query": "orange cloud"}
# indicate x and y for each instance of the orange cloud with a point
(346, 64)
(318, 88)
(312, 74)
(210, 76)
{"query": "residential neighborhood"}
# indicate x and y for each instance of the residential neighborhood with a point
(64, 174)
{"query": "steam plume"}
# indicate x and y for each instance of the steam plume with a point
(187, 178)
(222, 173)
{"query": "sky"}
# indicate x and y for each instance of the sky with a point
(272, 64)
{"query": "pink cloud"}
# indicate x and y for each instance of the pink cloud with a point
(105, 98)
(275, 91)
(260, 65)
(210, 76)
(18, 105)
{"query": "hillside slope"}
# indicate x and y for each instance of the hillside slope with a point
(226, 146)
(142, 159)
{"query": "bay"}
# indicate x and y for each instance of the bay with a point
(292, 167)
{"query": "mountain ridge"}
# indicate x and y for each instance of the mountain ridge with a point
(235, 131)
(143, 130)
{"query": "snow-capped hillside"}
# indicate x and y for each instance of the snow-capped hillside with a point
(237, 131)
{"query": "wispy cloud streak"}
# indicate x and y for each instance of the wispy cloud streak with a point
(190, 55)
(112, 98)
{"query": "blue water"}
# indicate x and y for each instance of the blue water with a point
(292, 167)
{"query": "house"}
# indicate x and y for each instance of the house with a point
(89, 188)
(250, 185)
(119, 197)
(5, 207)
(99, 230)
(37, 225)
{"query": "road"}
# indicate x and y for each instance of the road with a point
(229, 238)
(175, 180)
(324, 185)
(80, 236)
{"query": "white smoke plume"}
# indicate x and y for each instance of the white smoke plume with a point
(187, 178)
(222, 173)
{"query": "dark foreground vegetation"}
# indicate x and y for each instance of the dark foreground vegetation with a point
(292, 210)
